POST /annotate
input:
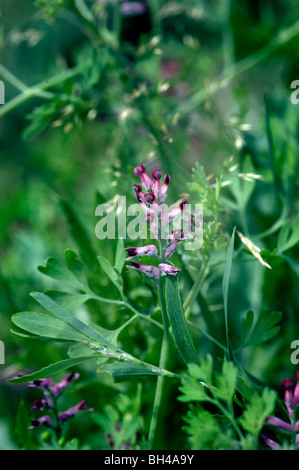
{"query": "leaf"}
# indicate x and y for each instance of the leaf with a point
(257, 411)
(80, 350)
(68, 300)
(178, 322)
(47, 326)
(285, 239)
(226, 382)
(225, 284)
(70, 319)
(113, 275)
(77, 268)
(126, 371)
(50, 370)
(80, 235)
(264, 329)
(57, 270)
(120, 255)
(247, 324)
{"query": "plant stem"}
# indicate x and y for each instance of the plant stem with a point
(195, 289)
(38, 90)
(163, 354)
(158, 394)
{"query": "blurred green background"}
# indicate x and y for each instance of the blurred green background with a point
(146, 94)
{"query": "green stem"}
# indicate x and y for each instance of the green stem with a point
(158, 394)
(163, 354)
(38, 90)
(191, 297)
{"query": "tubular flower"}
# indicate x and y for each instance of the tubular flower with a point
(74, 410)
(149, 270)
(170, 216)
(173, 239)
(147, 250)
(151, 203)
(42, 421)
(61, 386)
(168, 269)
(145, 179)
(41, 383)
(291, 400)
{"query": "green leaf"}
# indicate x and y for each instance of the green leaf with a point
(226, 382)
(80, 350)
(264, 328)
(47, 326)
(113, 275)
(120, 255)
(178, 322)
(125, 371)
(246, 325)
(77, 268)
(50, 370)
(57, 270)
(225, 284)
(70, 319)
(257, 411)
(81, 236)
(68, 300)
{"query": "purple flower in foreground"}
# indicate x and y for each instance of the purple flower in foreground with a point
(151, 203)
(149, 270)
(168, 269)
(147, 250)
(291, 400)
(74, 410)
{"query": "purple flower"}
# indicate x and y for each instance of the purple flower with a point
(170, 216)
(61, 386)
(147, 250)
(168, 269)
(42, 421)
(145, 179)
(269, 442)
(41, 383)
(149, 270)
(74, 410)
(291, 400)
(173, 239)
(40, 404)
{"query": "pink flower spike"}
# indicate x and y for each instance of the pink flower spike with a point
(168, 269)
(149, 270)
(147, 250)
(171, 249)
(145, 179)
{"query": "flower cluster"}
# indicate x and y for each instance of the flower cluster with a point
(151, 201)
(51, 393)
(291, 400)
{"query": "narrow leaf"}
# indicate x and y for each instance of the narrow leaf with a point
(178, 322)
